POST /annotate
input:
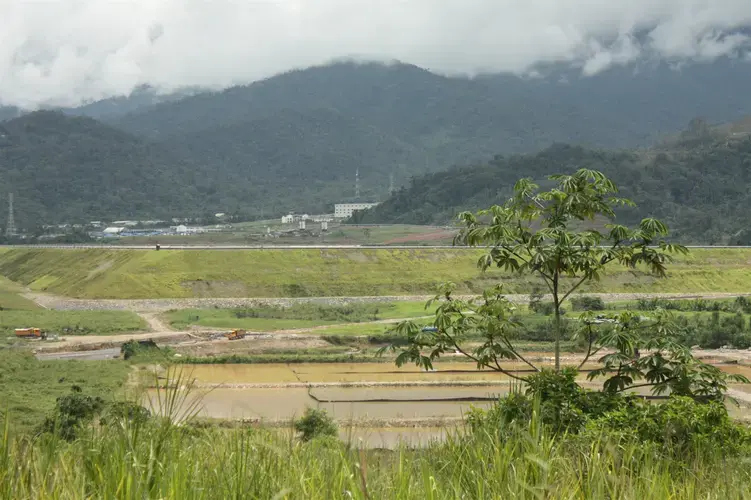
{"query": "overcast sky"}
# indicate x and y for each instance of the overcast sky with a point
(62, 52)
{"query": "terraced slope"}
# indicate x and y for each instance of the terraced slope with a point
(134, 274)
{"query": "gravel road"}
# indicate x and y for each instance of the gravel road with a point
(160, 305)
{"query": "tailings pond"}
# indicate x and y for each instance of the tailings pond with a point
(375, 403)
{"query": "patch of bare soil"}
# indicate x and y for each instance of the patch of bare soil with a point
(249, 345)
(99, 269)
(156, 325)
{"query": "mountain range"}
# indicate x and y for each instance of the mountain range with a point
(293, 142)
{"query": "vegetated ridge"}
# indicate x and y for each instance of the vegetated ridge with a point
(699, 185)
(77, 169)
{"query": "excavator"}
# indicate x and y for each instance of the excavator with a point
(235, 335)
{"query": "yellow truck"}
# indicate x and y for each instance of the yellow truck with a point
(235, 335)
(30, 333)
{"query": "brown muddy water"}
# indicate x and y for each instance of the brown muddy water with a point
(404, 400)
(344, 404)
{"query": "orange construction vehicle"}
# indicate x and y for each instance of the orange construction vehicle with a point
(236, 335)
(34, 333)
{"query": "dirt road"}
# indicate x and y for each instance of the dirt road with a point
(98, 355)
(160, 305)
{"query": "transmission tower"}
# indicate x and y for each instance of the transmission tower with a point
(391, 184)
(357, 183)
(11, 229)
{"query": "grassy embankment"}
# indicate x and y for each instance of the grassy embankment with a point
(72, 322)
(18, 312)
(11, 298)
(29, 387)
(132, 274)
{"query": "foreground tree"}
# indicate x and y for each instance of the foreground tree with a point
(539, 233)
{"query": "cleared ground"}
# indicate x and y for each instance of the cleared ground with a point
(149, 274)
(254, 233)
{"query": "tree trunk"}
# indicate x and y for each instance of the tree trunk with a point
(557, 326)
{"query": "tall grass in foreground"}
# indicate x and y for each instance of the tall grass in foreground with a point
(160, 460)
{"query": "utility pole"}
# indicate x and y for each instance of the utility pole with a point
(357, 184)
(11, 229)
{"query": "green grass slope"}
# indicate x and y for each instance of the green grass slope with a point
(28, 387)
(11, 298)
(132, 274)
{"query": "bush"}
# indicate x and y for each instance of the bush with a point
(543, 331)
(134, 348)
(585, 303)
(315, 423)
(561, 403)
(124, 411)
(679, 423)
(743, 304)
(544, 308)
(71, 412)
(515, 408)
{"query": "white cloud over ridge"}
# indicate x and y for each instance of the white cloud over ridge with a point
(69, 51)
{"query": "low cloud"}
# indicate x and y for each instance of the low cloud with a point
(71, 51)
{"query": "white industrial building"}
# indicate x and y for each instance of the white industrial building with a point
(288, 219)
(344, 210)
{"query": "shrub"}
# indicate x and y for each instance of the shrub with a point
(586, 303)
(125, 411)
(315, 423)
(544, 308)
(515, 408)
(561, 403)
(543, 331)
(677, 424)
(535, 299)
(71, 412)
(138, 347)
(743, 304)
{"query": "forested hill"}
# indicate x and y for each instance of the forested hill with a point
(702, 190)
(65, 169)
(75, 169)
